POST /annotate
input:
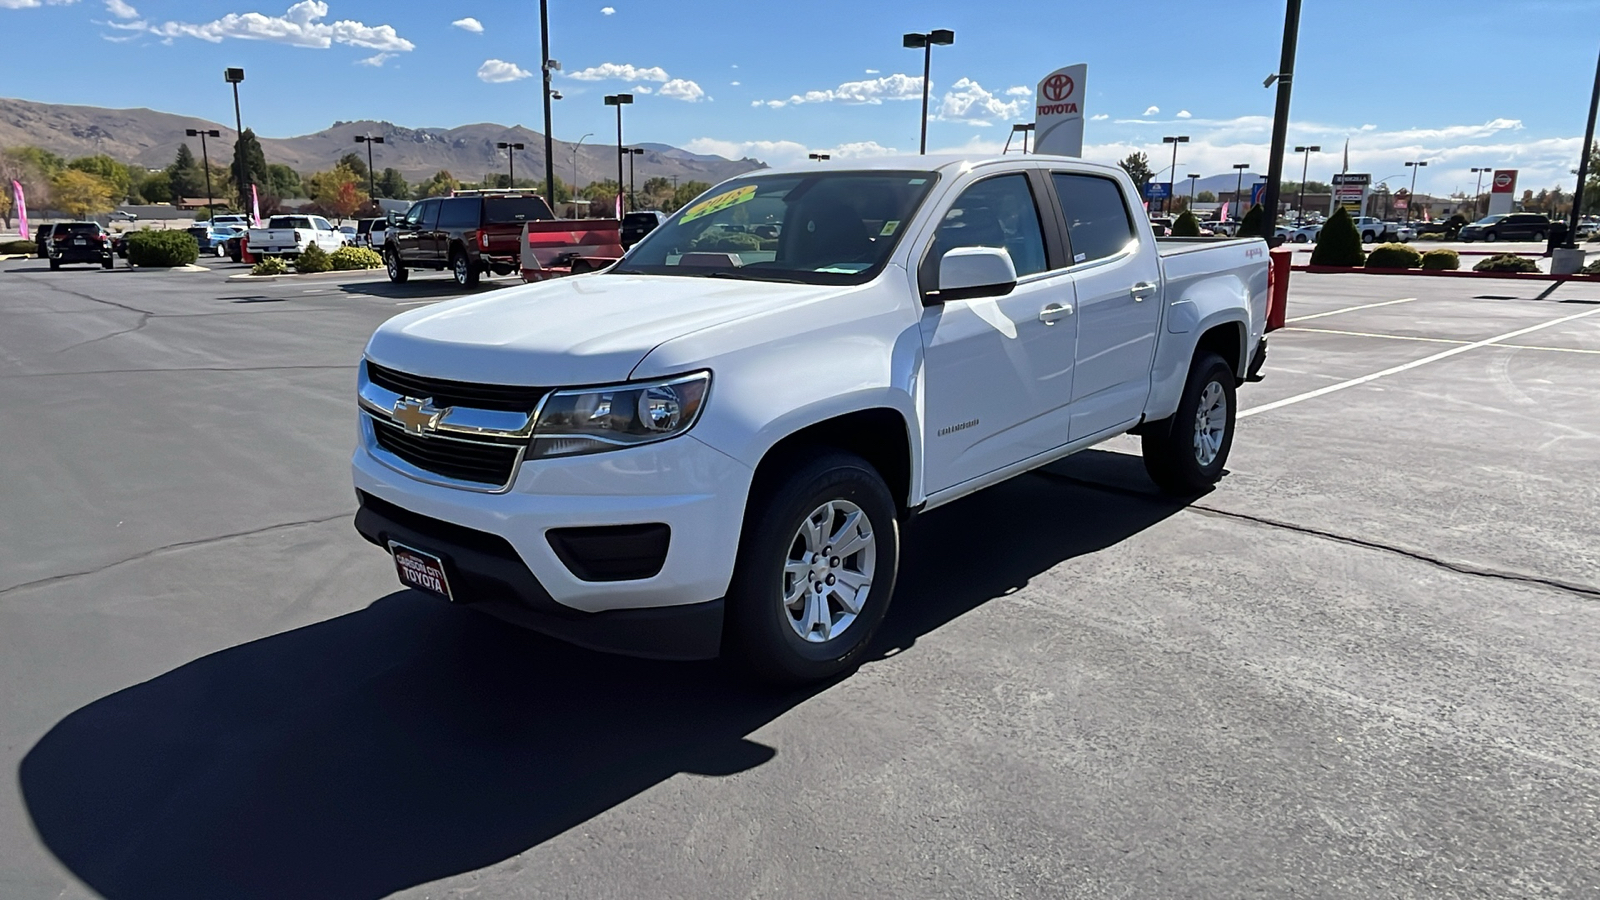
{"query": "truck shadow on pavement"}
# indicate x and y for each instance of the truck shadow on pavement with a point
(421, 287)
(413, 740)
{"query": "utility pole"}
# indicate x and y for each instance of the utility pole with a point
(1305, 167)
(619, 101)
(1479, 191)
(1411, 200)
(369, 140)
(205, 160)
(1583, 162)
(1172, 177)
(549, 142)
(1280, 120)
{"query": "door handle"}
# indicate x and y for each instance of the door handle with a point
(1142, 289)
(1054, 311)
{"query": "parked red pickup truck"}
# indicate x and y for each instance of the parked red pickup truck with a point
(475, 232)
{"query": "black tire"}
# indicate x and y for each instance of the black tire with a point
(466, 274)
(1170, 455)
(108, 262)
(55, 264)
(1538, 236)
(1366, 237)
(1490, 236)
(398, 273)
(759, 633)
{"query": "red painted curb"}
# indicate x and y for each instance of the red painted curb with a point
(1444, 273)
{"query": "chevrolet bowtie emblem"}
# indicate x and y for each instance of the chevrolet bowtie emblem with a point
(418, 416)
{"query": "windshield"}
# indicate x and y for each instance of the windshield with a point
(823, 228)
(505, 210)
(1489, 220)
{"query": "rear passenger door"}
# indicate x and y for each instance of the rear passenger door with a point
(1119, 302)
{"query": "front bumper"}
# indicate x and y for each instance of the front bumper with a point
(696, 492)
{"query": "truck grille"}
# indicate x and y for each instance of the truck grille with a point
(491, 462)
(505, 397)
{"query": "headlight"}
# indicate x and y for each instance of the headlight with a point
(593, 420)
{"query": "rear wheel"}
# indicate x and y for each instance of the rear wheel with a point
(108, 262)
(1491, 237)
(816, 569)
(396, 268)
(55, 264)
(1366, 237)
(466, 273)
(1185, 454)
(1538, 236)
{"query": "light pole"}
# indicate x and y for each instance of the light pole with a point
(1411, 199)
(575, 148)
(1478, 192)
(820, 157)
(633, 195)
(547, 65)
(1280, 121)
(925, 41)
(1193, 180)
(369, 140)
(233, 77)
(1583, 162)
(1023, 128)
(619, 101)
(511, 159)
(1238, 188)
(1172, 177)
(205, 159)
(1305, 167)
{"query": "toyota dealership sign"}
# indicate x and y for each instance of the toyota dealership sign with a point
(1058, 112)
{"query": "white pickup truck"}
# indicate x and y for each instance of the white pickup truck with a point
(291, 235)
(713, 445)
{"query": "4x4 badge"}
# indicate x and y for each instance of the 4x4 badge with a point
(418, 416)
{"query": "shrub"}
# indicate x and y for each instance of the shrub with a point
(162, 249)
(312, 259)
(1506, 262)
(270, 265)
(28, 247)
(1441, 260)
(1186, 225)
(1592, 268)
(1339, 244)
(1393, 256)
(726, 242)
(347, 258)
(1433, 236)
(1250, 225)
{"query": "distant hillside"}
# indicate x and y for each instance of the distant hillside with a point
(151, 138)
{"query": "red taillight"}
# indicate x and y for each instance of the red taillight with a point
(101, 238)
(483, 240)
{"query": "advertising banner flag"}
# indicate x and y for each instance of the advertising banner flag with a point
(22, 208)
(255, 207)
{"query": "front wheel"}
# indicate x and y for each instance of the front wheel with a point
(108, 262)
(1366, 237)
(1301, 239)
(220, 250)
(816, 569)
(1538, 236)
(466, 273)
(398, 272)
(1491, 237)
(1185, 454)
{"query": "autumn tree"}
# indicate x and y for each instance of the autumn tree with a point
(108, 170)
(24, 165)
(338, 191)
(80, 194)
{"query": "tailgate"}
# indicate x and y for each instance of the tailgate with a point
(499, 240)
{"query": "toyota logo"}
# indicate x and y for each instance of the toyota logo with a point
(1058, 87)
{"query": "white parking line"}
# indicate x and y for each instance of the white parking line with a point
(1444, 354)
(1430, 340)
(1349, 309)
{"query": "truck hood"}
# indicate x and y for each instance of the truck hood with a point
(588, 329)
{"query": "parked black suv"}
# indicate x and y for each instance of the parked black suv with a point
(80, 242)
(1508, 227)
(636, 225)
(469, 234)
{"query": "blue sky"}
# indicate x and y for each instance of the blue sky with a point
(1402, 80)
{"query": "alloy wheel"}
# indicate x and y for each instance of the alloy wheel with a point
(1210, 424)
(828, 572)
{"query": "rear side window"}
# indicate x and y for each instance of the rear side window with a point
(507, 210)
(1098, 224)
(459, 212)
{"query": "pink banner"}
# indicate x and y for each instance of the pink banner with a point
(255, 207)
(22, 209)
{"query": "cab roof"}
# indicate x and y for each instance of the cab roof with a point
(943, 163)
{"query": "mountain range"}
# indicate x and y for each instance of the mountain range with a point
(150, 138)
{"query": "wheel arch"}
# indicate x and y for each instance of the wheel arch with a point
(880, 435)
(1228, 340)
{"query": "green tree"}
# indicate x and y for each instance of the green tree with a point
(338, 191)
(1137, 165)
(28, 165)
(1250, 225)
(1206, 197)
(80, 193)
(1186, 225)
(283, 181)
(393, 185)
(354, 163)
(685, 195)
(185, 176)
(440, 185)
(108, 170)
(250, 164)
(156, 187)
(1339, 243)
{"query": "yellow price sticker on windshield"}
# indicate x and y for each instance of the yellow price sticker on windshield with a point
(719, 203)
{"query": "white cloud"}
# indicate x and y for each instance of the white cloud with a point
(782, 153)
(469, 24)
(734, 83)
(875, 91)
(1019, 91)
(608, 10)
(1099, 117)
(683, 89)
(1154, 110)
(121, 10)
(642, 89)
(299, 26)
(967, 101)
(620, 72)
(376, 60)
(30, 4)
(497, 71)
(1185, 114)
(872, 71)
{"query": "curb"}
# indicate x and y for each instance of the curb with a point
(1444, 273)
(337, 272)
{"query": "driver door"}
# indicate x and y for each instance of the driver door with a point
(998, 370)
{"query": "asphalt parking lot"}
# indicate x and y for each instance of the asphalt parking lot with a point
(1366, 665)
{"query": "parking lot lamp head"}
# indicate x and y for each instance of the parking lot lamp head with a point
(820, 157)
(925, 42)
(1238, 187)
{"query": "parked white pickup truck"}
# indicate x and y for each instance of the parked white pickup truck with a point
(712, 446)
(291, 235)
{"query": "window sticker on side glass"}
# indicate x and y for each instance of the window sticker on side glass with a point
(889, 227)
(719, 203)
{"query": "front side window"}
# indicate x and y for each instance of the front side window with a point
(996, 212)
(321, 224)
(430, 214)
(1098, 224)
(823, 228)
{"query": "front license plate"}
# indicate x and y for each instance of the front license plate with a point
(419, 570)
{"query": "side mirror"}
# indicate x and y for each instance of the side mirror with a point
(967, 272)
